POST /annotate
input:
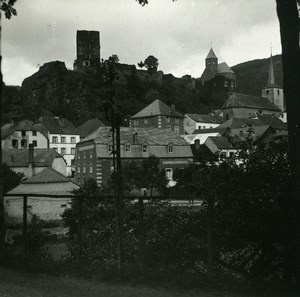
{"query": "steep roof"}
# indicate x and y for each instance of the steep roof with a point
(224, 68)
(152, 136)
(48, 175)
(89, 126)
(56, 125)
(221, 142)
(205, 118)
(20, 157)
(211, 54)
(237, 123)
(237, 100)
(272, 121)
(26, 125)
(156, 108)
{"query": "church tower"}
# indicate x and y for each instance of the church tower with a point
(272, 91)
(211, 62)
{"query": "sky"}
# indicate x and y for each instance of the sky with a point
(179, 34)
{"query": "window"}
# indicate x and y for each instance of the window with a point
(14, 143)
(169, 173)
(33, 133)
(34, 142)
(177, 120)
(73, 139)
(145, 148)
(23, 143)
(169, 128)
(78, 169)
(73, 149)
(91, 168)
(135, 122)
(225, 83)
(63, 139)
(63, 151)
(170, 149)
(110, 148)
(267, 92)
(145, 121)
(54, 139)
(176, 130)
(88, 46)
(127, 148)
(23, 133)
(86, 63)
(204, 127)
(91, 154)
(78, 156)
(168, 119)
(278, 92)
(84, 169)
(84, 155)
(88, 56)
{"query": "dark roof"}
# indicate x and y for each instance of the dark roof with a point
(55, 125)
(205, 118)
(48, 175)
(221, 142)
(20, 157)
(152, 136)
(26, 125)
(89, 126)
(219, 129)
(224, 68)
(156, 108)
(211, 54)
(249, 101)
(272, 121)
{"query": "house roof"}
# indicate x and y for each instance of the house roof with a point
(272, 121)
(221, 142)
(26, 125)
(20, 157)
(156, 108)
(238, 100)
(211, 54)
(224, 68)
(89, 126)
(219, 129)
(48, 175)
(152, 136)
(55, 125)
(204, 118)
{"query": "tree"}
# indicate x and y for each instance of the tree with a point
(7, 7)
(151, 63)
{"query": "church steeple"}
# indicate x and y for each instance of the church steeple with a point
(272, 91)
(211, 61)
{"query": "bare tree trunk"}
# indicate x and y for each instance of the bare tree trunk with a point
(287, 12)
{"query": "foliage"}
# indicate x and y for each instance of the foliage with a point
(7, 7)
(151, 63)
(10, 178)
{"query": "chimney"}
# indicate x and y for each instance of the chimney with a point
(30, 160)
(135, 138)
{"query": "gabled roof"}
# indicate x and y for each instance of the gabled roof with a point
(25, 125)
(238, 100)
(221, 142)
(211, 54)
(89, 126)
(153, 136)
(272, 121)
(55, 125)
(48, 175)
(156, 108)
(20, 157)
(205, 118)
(224, 68)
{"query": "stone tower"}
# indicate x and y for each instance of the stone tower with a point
(272, 91)
(88, 49)
(211, 62)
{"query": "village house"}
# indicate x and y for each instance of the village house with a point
(194, 121)
(18, 135)
(159, 115)
(220, 145)
(63, 137)
(94, 157)
(32, 161)
(49, 209)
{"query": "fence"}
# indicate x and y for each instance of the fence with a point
(139, 214)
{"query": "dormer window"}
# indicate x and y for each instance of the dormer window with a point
(144, 148)
(170, 149)
(127, 148)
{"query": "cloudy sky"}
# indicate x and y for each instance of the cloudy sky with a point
(178, 33)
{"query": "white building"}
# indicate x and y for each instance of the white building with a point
(63, 137)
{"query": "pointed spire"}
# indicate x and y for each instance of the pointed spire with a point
(211, 54)
(271, 79)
